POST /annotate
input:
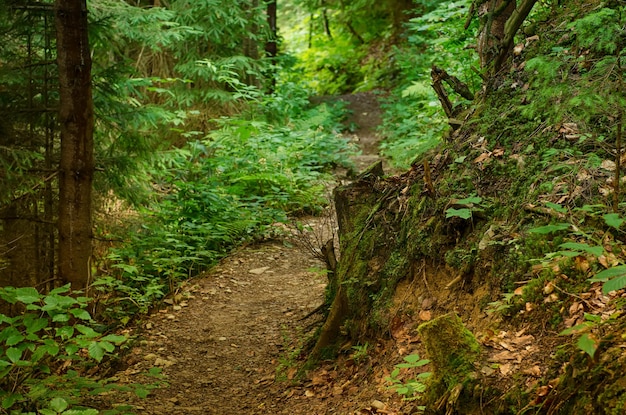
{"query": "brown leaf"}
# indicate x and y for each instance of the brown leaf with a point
(291, 373)
(505, 368)
(582, 264)
(523, 340)
(505, 355)
(543, 390)
(533, 371)
(425, 315)
(482, 158)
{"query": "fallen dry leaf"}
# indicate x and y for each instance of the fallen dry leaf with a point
(533, 371)
(505, 368)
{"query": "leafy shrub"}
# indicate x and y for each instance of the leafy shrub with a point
(414, 121)
(213, 194)
(44, 350)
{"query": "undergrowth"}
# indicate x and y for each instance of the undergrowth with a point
(224, 189)
(413, 121)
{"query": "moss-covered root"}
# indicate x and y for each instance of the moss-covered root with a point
(453, 352)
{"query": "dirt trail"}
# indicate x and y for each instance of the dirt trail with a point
(228, 342)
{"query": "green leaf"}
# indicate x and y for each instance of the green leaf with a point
(544, 230)
(71, 349)
(61, 318)
(575, 329)
(469, 200)
(65, 332)
(14, 354)
(142, 393)
(556, 207)
(59, 404)
(155, 371)
(588, 344)
(10, 400)
(34, 325)
(114, 338)
(15, 339)
(96, 351)
(80, 313)
(460, 213)
(614, 284)
(106, 346)
(605, 275)
(613, 220)
(87, 331)
(27, 295)
(593, 250)
(61, 290)
(90, 411)
(412, 358)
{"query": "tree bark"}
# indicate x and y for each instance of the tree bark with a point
(271, 47)
(500, 21)
(76, 124)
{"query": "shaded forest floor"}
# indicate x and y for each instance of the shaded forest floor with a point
(230, 342)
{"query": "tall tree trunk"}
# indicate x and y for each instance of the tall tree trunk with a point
(271, 47)
(77, 161)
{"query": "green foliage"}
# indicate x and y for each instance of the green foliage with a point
(414, 121)
(332, 66)
(468, 206)
(587, 342)
(44, 349)
(413, 388)
(215, 193)
(591, 60)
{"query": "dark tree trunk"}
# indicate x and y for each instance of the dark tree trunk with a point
(76, 123)
(271, 47)
(327, 24)
(500, 21)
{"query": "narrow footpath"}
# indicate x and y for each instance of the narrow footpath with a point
(229, 342)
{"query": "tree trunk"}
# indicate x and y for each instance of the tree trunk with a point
(499, 22)
(76, 123)
(271, 47)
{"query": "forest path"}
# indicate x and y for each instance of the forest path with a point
(228, 342)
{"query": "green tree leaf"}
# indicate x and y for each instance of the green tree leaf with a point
(14, 354)
(87, 331)
(80, 313)
(588, 344)
(117, 339)
(460, 213)
(96, 351)
(36, 324)
(65, 332)
(613, 220)
(142, 393)
(59, 404)
(593, 250)
(27, 295)
(605, 275)
(10, 400)
(614, 284)
(15, 339)
(544, 230)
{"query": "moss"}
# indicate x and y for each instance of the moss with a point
(452, 349)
